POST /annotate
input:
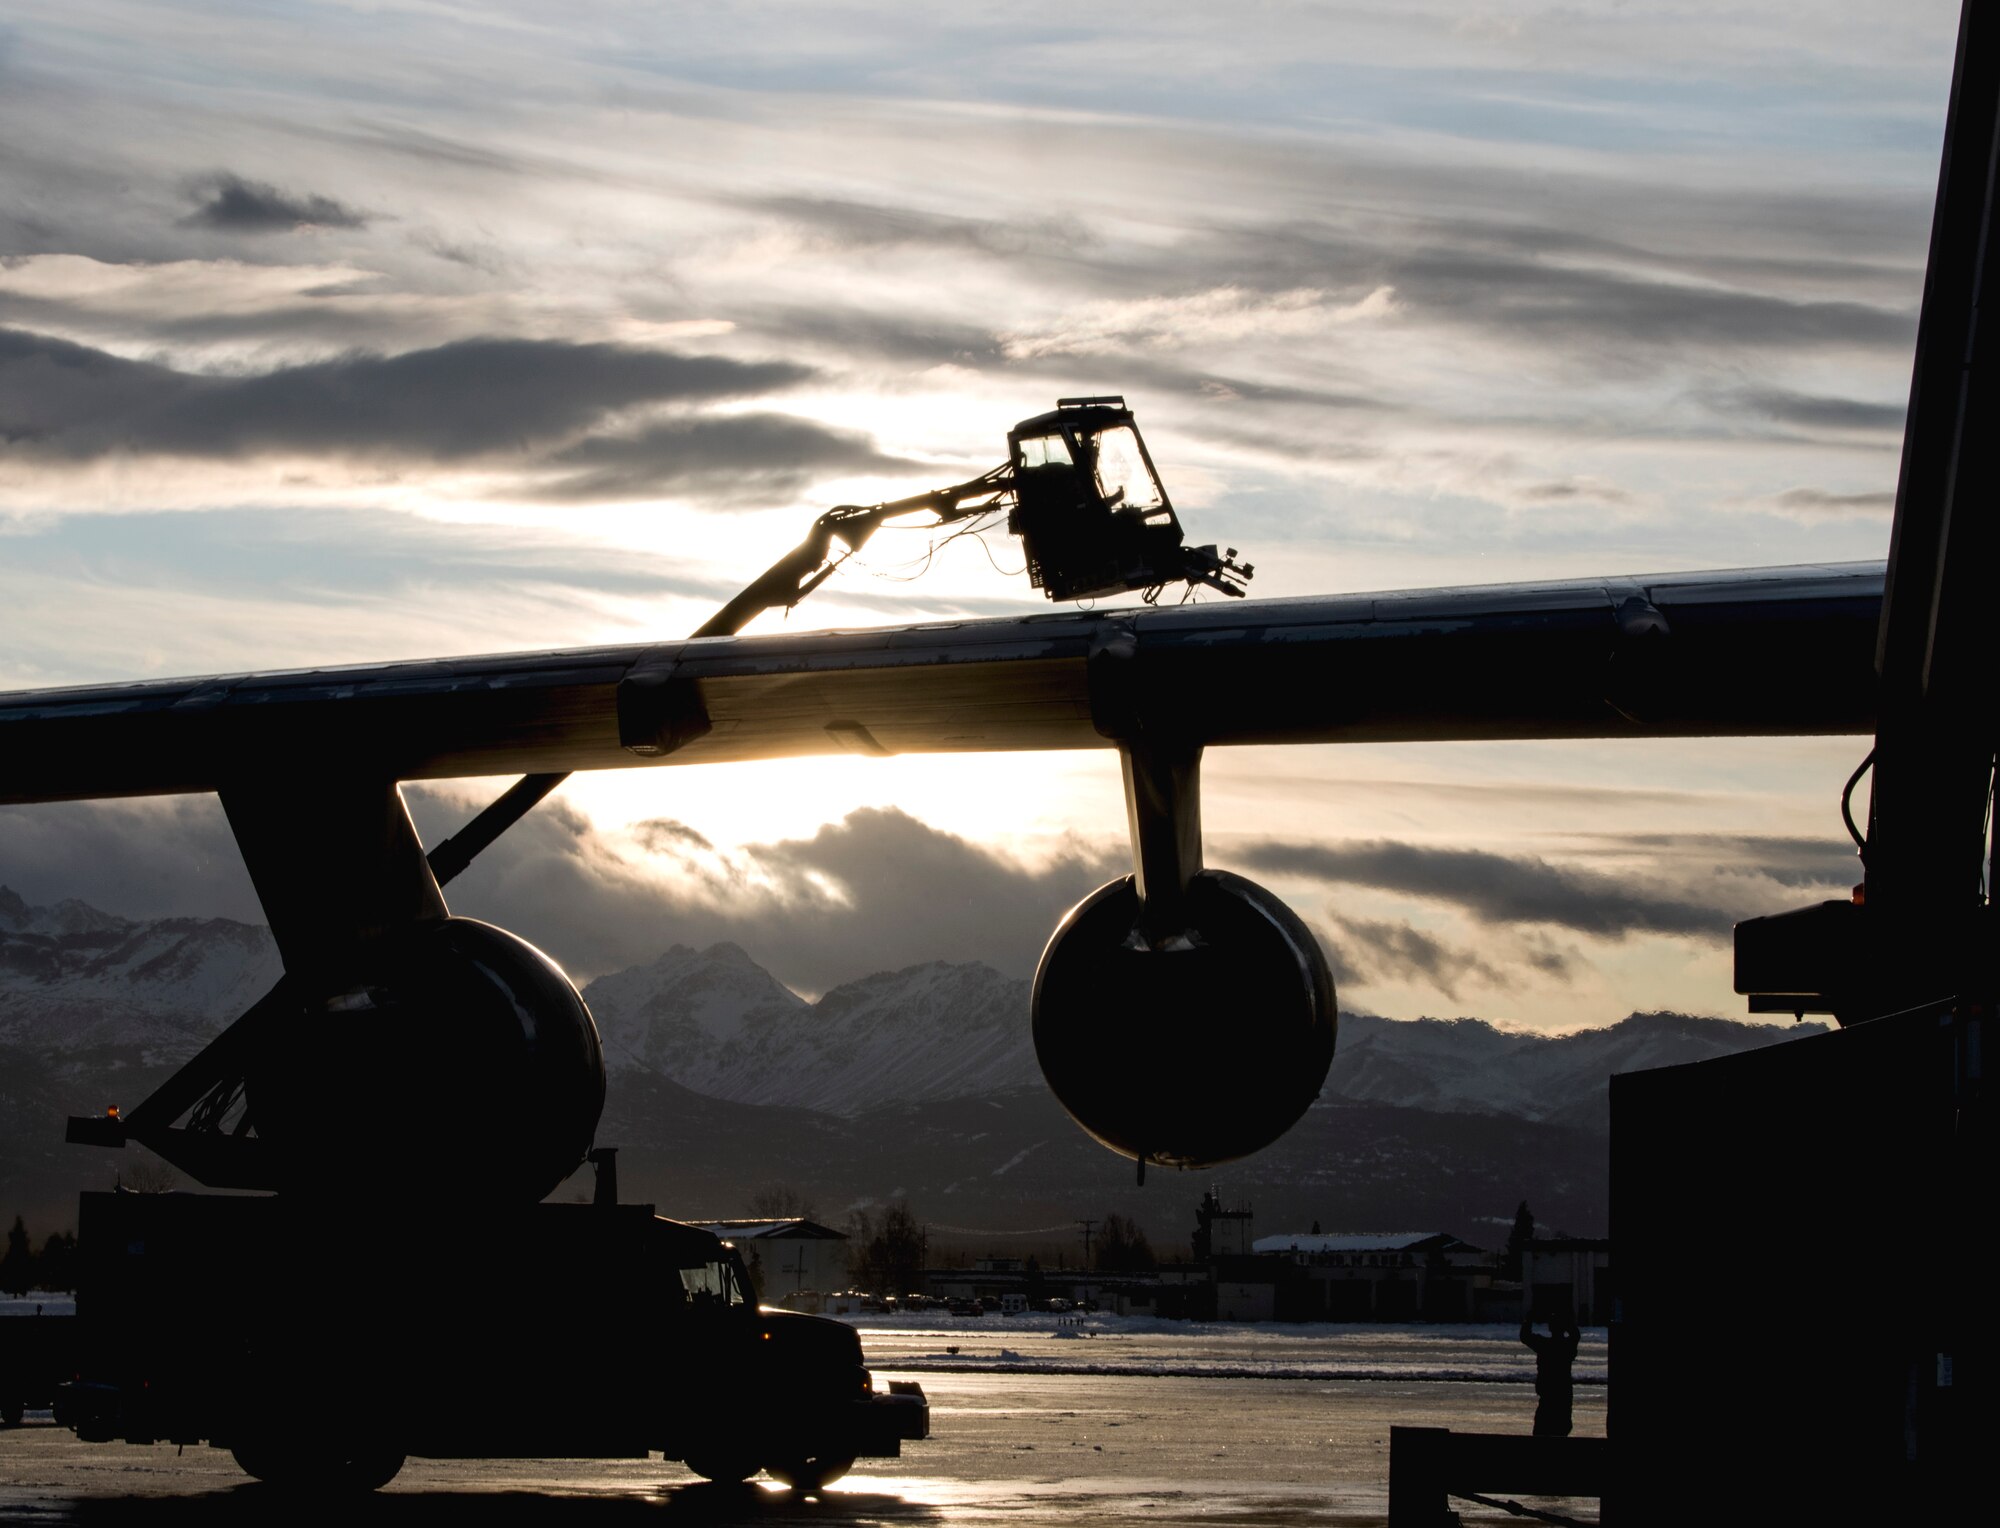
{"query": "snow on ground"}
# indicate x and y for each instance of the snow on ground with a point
(1151, 1346)
(1142, 1345)
(48, 1304)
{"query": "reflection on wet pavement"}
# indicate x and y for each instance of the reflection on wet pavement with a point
(1008, 1448)
(695, 1503)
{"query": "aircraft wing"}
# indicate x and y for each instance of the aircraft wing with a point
(1765, 651)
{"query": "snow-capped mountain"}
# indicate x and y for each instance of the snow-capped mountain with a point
(920, 1081)
(716, 1023)
(692, 1013)
(68, 919)
(74, 979)
(1467, 1066)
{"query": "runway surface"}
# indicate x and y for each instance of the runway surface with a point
(1028, 1438)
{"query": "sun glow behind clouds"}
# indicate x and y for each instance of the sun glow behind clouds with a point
(1015, 798)
(1705, 807)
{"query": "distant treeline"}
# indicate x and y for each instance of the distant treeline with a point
(887, 1252)
(23, 1268)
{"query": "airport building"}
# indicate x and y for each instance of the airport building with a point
(1570, 1273)
(1360, 1276)
(788, 1256)
(1235, 1275)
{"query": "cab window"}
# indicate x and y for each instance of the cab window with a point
(1123, 481)
(1045, 451)
(712, 1284)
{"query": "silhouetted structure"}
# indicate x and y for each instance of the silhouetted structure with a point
(1220, 1232)
(1573, 1275)
(1518, 1237)
(17, 1264)
(1360, 1276)
(1859, 1409)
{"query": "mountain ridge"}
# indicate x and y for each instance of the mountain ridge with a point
(924, 1079)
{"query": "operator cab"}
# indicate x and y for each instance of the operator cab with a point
(1088, 506)
(719, 1280)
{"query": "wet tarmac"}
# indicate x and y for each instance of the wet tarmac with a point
(1007, 1448)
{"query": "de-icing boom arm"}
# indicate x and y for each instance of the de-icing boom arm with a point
(808, 565)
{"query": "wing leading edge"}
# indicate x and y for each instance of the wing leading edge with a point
(1749, 652)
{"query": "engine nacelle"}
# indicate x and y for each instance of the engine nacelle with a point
(466, 1058)
(1185, 1056)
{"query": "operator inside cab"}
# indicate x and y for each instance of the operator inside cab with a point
(1088, 506)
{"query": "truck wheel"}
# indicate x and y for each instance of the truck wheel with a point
(261, 1462)
(723, 1469)
(810, 1474)
(368, 1471)
(303, 1469)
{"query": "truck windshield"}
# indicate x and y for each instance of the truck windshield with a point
(713, 1284)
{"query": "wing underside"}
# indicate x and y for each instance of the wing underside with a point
(1749, 652)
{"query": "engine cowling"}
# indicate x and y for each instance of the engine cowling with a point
(466, 1056)
(1185, 1057)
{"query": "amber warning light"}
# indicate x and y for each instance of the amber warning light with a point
(107, 1129)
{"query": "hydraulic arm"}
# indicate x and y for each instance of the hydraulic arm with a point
(808, 565)
(1081, 493)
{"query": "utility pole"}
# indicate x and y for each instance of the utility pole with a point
(1088, 1227)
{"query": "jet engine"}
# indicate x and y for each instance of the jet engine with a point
(1193, 1054)
(465, 1046)
(1181, 1015)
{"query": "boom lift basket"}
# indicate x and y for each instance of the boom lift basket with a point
(1088, 506)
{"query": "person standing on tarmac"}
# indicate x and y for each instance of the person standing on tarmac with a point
(1554, 1389)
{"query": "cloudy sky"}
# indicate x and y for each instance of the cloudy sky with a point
(354, 332)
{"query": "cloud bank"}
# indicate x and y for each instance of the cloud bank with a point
(881, 889)
(446, 403)
(877, 890)
(235, 205)
(1404, 296)
(1495, 888)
